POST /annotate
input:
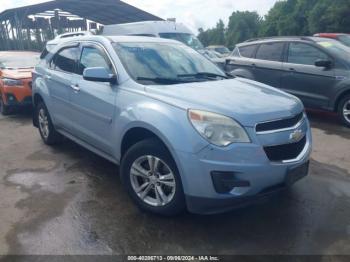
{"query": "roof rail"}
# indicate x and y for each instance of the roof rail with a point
(306, 38)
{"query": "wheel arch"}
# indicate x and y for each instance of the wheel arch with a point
(140, 131)
(37, 98)
(339, 98)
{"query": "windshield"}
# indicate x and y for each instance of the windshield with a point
(166, 63)
(222, 50)
(335, 48)
(18, 60)
(187, 39)
(345, 39)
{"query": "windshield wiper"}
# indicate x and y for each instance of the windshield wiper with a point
(163, 80)
(203, 74)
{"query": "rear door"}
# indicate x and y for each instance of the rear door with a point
(241, 59)
(93, 103)
(268, 63)
(305, 80)
(59, 80)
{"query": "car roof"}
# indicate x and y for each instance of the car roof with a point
(278, 39)
(115, 39)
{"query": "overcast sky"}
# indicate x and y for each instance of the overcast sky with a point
(193, 13)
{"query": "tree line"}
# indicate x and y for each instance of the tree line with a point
(285, 18)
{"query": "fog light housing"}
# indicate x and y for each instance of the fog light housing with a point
(225, 182)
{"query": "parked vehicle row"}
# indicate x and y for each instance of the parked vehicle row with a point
(315, 69)
(184, 134)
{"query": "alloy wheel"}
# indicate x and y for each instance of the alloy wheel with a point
(44, 123)
(346, 111)
(152, 180)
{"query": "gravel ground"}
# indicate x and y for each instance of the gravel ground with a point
(66, 200)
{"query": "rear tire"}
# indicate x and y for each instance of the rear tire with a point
(4, 109)
(47, 131)
(151, 178)
(344, 110)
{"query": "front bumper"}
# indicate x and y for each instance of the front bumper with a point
(249, 166)
(11, 100)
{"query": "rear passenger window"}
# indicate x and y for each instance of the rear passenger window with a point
(247, 51)
(304, 54)
(270, 52)
(66, 60)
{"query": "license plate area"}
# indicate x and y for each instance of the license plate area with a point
(297, 173)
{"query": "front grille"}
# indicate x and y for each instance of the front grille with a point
(285, 152)
(279, 124)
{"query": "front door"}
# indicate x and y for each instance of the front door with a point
(93, 103)
(59, 80)
(303, 79)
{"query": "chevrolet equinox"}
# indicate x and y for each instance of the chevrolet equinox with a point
(182, 132)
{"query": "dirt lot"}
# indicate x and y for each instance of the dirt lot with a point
(66, 200)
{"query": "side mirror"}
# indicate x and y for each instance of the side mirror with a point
(323, 63)
(99, 74)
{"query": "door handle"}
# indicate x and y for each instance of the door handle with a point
(76, 88)
(253, 65)
(292, 69)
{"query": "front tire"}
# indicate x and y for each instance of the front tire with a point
(344, 110)
(151, 178)
(47, 131)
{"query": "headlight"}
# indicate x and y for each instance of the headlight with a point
(12, 82)
(218, 129)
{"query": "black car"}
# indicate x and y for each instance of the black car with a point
(317, 70)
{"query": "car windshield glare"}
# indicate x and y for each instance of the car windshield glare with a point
(335, 48)
(187, 39)
(345, 39)
(155, 63)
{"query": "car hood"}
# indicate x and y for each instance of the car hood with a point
(17, 73)
(247, 101)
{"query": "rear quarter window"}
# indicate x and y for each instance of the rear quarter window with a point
(247, 51)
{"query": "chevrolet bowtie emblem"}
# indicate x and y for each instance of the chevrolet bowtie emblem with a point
(296, 136)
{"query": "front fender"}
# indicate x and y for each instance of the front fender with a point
(169, 123)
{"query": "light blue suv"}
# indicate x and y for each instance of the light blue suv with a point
(183, 133)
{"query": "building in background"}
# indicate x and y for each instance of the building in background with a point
(30, 27)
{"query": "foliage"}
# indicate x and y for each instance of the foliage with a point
(286, 17)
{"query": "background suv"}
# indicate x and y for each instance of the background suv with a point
(183, 133)
(317, 70)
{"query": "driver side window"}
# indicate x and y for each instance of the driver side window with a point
(304, 54)
(93, 57)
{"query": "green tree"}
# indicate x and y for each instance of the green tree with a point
(330, 16)
(286, 17)
(242, 26)
(213, 36)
